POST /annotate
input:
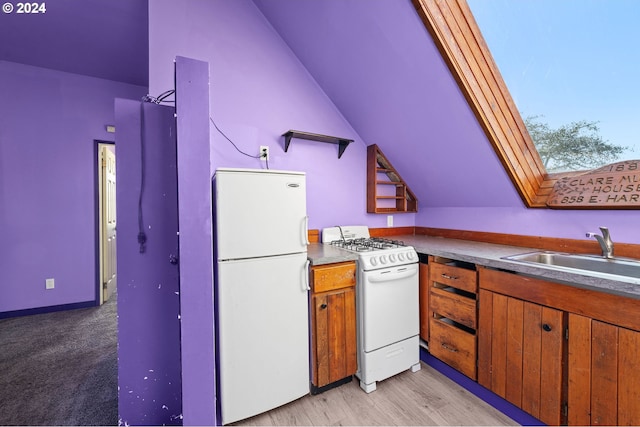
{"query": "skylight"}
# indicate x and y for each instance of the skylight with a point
(570, 68)
(463, 47)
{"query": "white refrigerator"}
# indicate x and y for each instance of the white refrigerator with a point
(261, 290)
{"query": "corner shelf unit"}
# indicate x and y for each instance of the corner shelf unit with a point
(343, 143)
(386, 191)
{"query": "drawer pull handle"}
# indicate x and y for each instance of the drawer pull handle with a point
(446, 276)
(546, 327)
(323, 306)
(447, 347)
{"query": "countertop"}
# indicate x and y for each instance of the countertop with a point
(488, 255)
(320, 254)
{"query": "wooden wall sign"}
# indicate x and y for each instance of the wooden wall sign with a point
(615, 186)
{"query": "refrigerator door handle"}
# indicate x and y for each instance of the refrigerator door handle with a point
(305, 230)
(305, 276)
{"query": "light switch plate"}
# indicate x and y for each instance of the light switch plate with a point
(389, 220)
(50, 283)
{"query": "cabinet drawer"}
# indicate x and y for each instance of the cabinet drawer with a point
(454, 346)
(333, 276)
(456, 277)
(457, 307)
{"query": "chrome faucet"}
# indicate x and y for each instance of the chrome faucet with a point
(606, 244)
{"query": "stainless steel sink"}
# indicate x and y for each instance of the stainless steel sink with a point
(594, 265)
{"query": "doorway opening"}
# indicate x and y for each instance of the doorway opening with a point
(106, 220)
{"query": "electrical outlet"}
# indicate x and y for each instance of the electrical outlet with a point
(389, 220)
(264, 153)
(50, 283)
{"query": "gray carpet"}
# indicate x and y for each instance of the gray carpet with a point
(60, 368)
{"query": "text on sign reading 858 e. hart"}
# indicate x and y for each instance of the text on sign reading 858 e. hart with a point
(24, 8)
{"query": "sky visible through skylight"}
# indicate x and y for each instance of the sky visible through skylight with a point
(570, 60)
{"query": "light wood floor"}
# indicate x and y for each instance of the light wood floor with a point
(422, 398)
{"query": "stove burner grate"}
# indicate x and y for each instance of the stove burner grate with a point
(367, 244)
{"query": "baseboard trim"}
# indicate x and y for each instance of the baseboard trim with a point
(317, 390)
(313, 236)
(587, 246)
(391, 231)
(491, 398)
(49, 309)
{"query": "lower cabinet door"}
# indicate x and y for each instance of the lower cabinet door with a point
(603, 373)
(333, 325)
(521, 354)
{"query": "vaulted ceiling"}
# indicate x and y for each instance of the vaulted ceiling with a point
(373, 59)
(100, 38)
(380, 66)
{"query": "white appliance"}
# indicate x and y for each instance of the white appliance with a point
(261, 290)
(387, 308)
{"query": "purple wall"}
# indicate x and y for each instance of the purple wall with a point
(48, 123)
(149, 373)
(380, 67)
(259, 90)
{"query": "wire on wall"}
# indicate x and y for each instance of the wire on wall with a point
(234, 145)
(142, 237)
(162, 98)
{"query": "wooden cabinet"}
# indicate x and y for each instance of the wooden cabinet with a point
(521, 354)
(453, 313)
(333, 323)
(563, 354)
(425, 312)
(603, 373)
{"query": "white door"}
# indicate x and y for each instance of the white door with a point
(390, 311)
(263, 334)
(259, 213)
(108, 214)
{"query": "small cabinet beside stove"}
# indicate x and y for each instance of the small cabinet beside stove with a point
(425, 312)
(453, 290)
(333, 325)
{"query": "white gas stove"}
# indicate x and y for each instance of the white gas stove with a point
(373, 252)
(387, 310)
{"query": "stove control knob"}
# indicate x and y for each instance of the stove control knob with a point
(411, 255)
(383, 259)
(400, 257)
(392, 258)
(374, 261)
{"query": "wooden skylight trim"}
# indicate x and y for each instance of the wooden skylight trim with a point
(457, 36)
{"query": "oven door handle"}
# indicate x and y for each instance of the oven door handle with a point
(387, 276)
